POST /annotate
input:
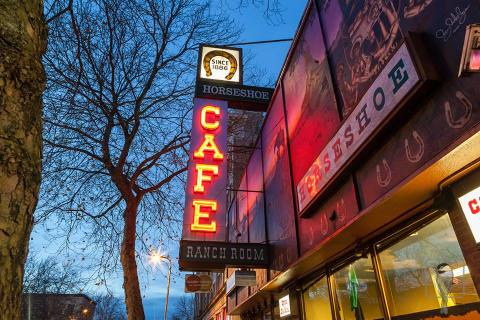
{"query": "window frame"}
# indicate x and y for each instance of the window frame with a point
(373, 248)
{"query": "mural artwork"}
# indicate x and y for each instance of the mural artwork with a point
(450, 108)
(311, 109)
(362, 36)
(279, 210)
(334, 214)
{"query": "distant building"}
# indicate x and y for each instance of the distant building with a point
(38, 306)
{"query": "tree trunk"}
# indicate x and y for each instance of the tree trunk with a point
(133, 296)
(23, 39)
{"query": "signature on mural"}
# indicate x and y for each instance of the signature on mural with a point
(453, 22)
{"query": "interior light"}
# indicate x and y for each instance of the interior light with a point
(461, 271)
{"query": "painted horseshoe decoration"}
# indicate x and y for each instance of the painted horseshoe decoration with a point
(215, 53)
(461, 121)
(384, 181)
(415, 157)
(324, 225)
(341, 210)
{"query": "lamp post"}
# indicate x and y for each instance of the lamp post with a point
(168, 285)
(157, 258)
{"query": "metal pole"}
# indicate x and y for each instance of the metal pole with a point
(168, 286)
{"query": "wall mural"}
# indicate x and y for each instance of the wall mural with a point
(361, 37)
(279, 210)
(233, 222)
(242, 207)
(332, 215)
(451, 108)
(453, 112)
(312, 113)
(256, 217)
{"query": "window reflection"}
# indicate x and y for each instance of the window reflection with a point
(426, 271)
(317, 302)
(357, 294)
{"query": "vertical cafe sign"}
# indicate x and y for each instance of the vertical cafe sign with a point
(205, 196)
(204, 245)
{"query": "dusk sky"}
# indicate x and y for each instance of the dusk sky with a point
(267, 57)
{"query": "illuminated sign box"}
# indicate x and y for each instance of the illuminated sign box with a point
(284, 305)
(220, 76)
(470, 61)
(220, 64)
(205, 195)
(470, 203)
(204, 234)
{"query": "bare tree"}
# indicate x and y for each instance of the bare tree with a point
(272, 9)
(184, 308)
(118, 100)
(50, 276)
(108, 307)
(23, 38)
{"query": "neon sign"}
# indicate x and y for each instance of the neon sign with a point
(205, 200)
(470, 203)
(198, 214)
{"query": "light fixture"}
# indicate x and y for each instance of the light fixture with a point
(461, 271)
(470, 61)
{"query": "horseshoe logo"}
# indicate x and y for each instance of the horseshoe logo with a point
(341, 210)
(323, 225)
(415, 157)
(461, 121)
(384, 181)
(219, 53)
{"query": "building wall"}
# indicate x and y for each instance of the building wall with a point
(340, 50)
(57, 307)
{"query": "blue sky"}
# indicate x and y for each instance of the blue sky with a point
(270, 58)
(272, 55)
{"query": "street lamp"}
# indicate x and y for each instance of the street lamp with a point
(156, 258)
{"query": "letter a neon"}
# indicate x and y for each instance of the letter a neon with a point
(208, 145)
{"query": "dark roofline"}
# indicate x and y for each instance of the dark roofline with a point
(77, 295)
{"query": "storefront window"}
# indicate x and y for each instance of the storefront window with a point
(357, 293)
(426, 274)
(317, 302)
